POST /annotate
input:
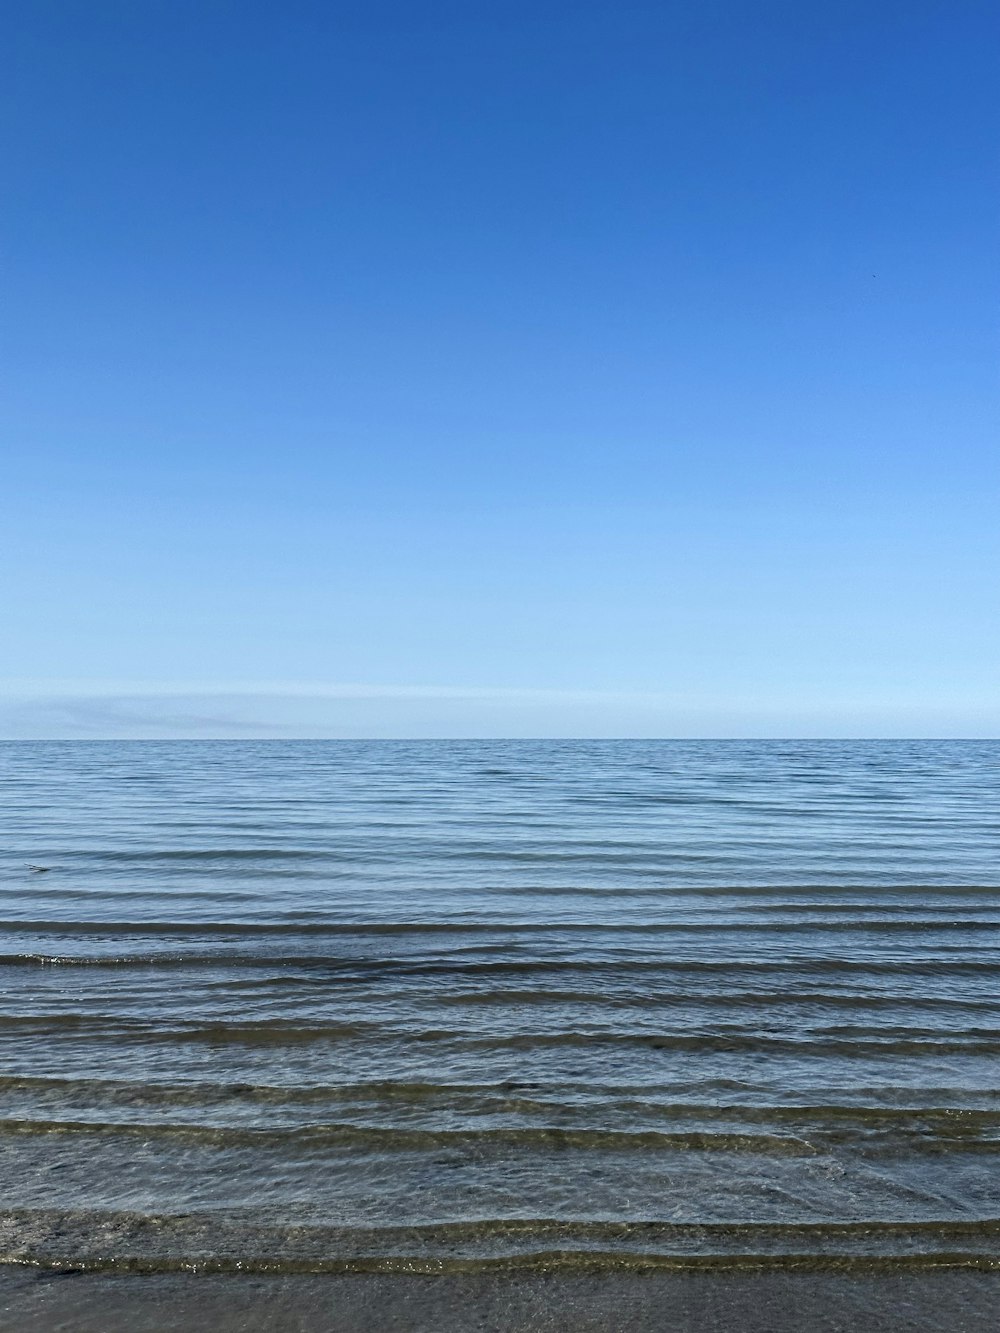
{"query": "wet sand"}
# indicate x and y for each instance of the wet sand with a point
(941, 1301)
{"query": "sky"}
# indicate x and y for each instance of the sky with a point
(500, 368)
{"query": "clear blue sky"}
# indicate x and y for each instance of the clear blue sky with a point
(501, 368)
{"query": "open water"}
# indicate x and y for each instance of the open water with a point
(284, 1006)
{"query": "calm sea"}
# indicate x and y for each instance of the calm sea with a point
(424, 1006)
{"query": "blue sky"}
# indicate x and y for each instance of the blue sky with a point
(500, 369)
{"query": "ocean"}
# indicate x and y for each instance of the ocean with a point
(340, 1006)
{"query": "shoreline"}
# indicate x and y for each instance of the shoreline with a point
(927, 1301)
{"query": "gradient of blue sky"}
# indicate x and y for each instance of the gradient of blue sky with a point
(501, 368)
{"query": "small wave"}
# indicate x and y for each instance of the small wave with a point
(949, 1121)
(111, 1027)
(146, 1243)
(498, 927)
(272, 1032)
(459, 965)
(152, 854)
(395, 1139)
(703, 1043)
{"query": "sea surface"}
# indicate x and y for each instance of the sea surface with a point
(436, 1006)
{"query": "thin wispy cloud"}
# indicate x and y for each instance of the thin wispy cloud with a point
(354, 711)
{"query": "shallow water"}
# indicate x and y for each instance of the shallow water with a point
(334, 1005)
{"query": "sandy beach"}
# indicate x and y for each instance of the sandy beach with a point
(932, 1301)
